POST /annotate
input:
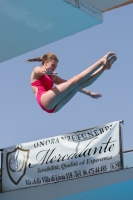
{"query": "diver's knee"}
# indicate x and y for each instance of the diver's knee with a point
(75, 80)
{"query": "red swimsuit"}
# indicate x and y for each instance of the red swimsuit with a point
(43, 84)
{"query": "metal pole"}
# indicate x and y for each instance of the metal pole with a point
(1, 167)
(128, 151)
(121, 152)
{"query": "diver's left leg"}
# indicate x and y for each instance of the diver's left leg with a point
(70, 95)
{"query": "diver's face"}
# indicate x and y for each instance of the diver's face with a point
(52, 64)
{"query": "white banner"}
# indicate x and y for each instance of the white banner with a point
(74, 155)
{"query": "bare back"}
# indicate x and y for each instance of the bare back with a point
(34, 76)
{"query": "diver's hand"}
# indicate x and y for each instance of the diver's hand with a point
(49, 72)
(94, 95)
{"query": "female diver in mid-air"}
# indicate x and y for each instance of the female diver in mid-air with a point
(52, 99)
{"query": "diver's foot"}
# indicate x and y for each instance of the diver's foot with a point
(111, 60)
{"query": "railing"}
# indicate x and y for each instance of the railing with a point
(128, 158)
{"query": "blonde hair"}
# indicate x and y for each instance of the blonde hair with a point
(46, 57)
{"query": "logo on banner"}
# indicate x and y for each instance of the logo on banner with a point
(16, 162)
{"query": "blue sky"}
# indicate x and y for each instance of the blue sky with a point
(22, 120)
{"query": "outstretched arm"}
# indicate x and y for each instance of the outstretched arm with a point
(58, 80)
(91, 94)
